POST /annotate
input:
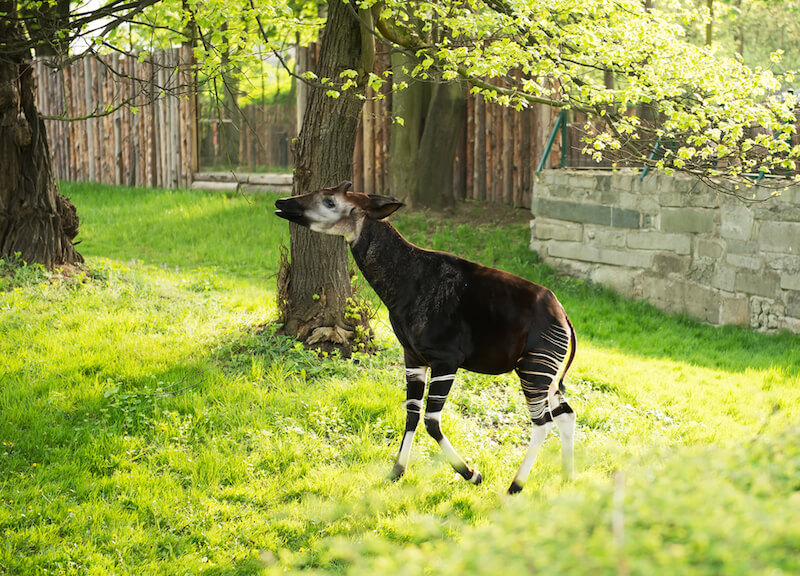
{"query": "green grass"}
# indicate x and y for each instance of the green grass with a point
(147, 427)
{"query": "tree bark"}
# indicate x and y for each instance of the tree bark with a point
(444, 123)
(409, 105)
(317, 283)
(423, 147)
(35, 220)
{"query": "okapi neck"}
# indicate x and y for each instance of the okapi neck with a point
(384, 258)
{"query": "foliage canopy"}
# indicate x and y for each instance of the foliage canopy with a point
(628, 65)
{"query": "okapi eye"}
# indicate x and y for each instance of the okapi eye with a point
(328, 202)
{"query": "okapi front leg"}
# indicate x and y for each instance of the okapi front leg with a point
(437, 396)
(415, 390)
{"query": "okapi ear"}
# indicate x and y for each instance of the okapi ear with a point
(341, 187)
(380, 207)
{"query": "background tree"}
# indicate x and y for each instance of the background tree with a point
(35, 220)
(428, 111)
(316, 285)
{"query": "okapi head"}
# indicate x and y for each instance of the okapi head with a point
(335, 210)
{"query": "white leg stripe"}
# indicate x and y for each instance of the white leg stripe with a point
(437, 396)
(547, 374)
(413, 404)
(405, 449)
(434, 416)
(443, 378)
(417, 374)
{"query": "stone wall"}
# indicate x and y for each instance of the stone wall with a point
(675, 242)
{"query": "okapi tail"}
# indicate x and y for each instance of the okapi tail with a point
(572, 344)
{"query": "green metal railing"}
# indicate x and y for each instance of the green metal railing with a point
(561, 123)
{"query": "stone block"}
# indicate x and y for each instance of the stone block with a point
(791, 282)
(606, 238)
(619, 279)
(793, 305)
(666, 264)
(648, 186)
(736, 222)
(629, 201)
(724, 277)
(766, 313)
(757, 283)
(734, 310)
(782, 263)
(623, 182)
(684, 185)
(665, 184)
(545, 229)
(586, 213)
(703, 196)
(666, 294)
(791, 324)
(599, 196)
(741, 261)
(622, 218)
(583, 181)
(709, 248)
(575, 251)
(678, 243)
(776, 211)
(742, 247)
(609, 197)
(565, 192)
(702, 303)
(670, 199)
(791, 195)
(691, 220)
(780, 237)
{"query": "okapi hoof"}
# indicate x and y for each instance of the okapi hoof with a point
(396, 473)
(515, 488)
(474, 477)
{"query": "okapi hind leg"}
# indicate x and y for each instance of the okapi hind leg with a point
(415, 390)
(564, 418)
(437, 395)
(537, 370)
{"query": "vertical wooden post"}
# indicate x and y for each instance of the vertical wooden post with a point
(507, 164)
(469, 152)
(98, 133)
(87, 93)
(368, 143)
(479, 151)
(117, 129)
(175, 128)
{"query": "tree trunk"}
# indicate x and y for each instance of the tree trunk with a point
(410, 105)
(316, 284)
(444, 123)
(35, 220)
(423, 147)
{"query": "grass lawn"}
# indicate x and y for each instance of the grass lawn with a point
(148, 427)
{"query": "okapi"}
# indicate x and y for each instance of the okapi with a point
(450, 313)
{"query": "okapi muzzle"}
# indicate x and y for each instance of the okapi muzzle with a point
(449, 313)
(292, 210)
